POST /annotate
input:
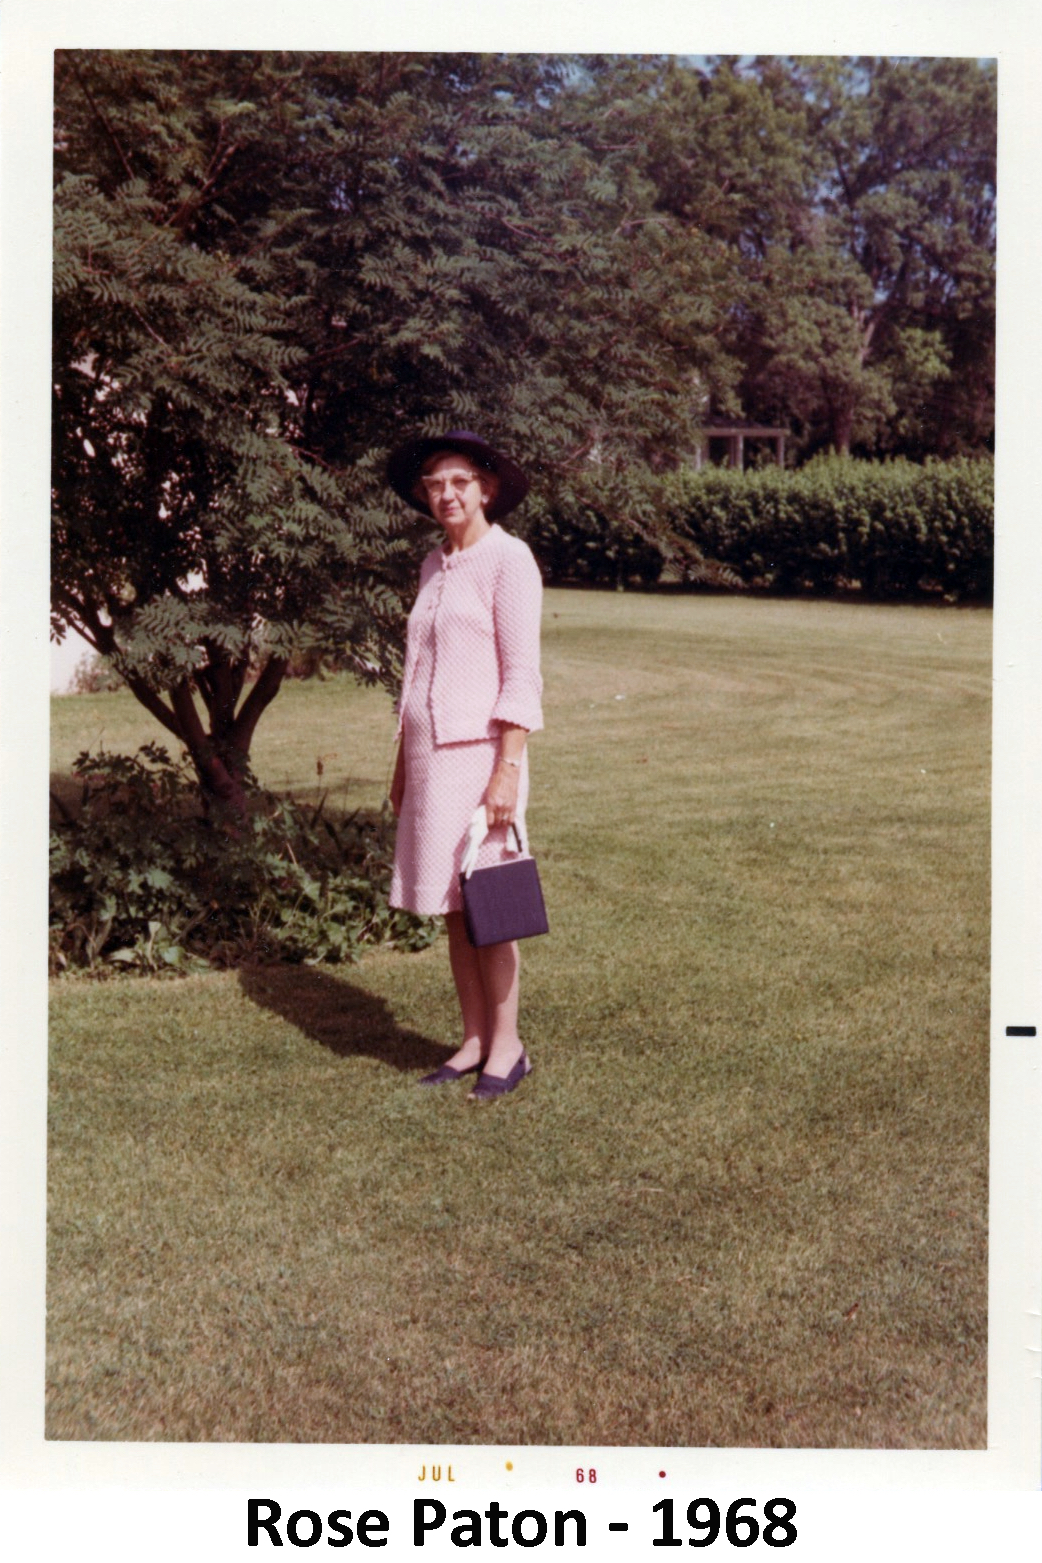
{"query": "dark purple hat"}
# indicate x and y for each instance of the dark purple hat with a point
(406, 464)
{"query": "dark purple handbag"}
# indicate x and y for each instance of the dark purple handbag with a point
(503, 902)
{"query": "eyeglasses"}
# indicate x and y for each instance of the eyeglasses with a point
(455, 482)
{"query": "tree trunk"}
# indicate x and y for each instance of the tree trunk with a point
(222, 780)
(842, 429)
(222, 756)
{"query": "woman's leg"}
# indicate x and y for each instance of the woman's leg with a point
(500, 966)
(470, 990)
(488, 983)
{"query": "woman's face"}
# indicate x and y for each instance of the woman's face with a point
(456, 491)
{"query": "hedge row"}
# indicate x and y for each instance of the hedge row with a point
(890, 529)
(578, 543)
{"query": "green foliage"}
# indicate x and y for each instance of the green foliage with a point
(268, 266)
(629, 544)
(851, 205)
(893, 529)
(140, 881)
(585, 546)
(872, 318)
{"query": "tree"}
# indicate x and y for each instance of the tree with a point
(851, 204)
(267, 267)
(718, 160)
(875, 316)
(194, 538)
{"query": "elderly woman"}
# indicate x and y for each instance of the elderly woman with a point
(470, 697)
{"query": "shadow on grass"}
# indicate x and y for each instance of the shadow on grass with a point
(340, 1016)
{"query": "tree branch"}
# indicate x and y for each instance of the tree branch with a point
(152, 703)
(192, 730)
(87, 622)
(259, 698)
(195, 200)
(81, 619)
(96, 111)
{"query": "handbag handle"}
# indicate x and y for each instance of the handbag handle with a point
(476, 833)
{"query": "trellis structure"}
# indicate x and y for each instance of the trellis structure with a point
(735, 436)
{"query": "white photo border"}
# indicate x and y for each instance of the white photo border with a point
(170, 1496)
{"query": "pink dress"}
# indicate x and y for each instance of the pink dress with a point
(473, 637)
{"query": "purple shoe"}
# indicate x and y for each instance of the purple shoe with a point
(491, 1086)
(446, 1074)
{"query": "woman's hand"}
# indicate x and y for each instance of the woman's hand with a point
(501, 795)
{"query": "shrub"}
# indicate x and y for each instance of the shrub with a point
(892, 529)
(584, 547)
(141, 881)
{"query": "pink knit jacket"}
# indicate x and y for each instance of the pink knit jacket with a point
(485, 602)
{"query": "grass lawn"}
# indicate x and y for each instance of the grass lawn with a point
(741, 1201)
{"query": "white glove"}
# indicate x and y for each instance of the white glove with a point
(476, 833)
